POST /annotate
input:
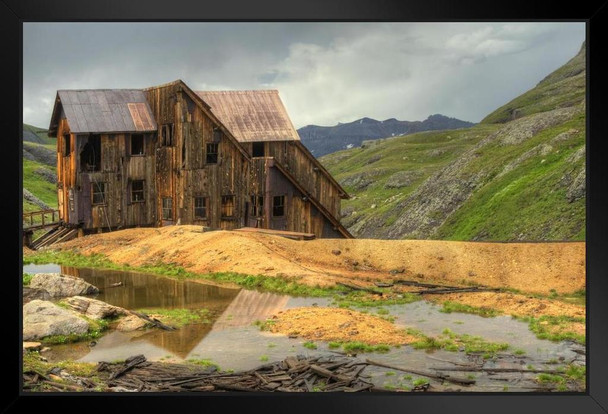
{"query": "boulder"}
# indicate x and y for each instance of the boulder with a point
(93, 308)
(34, 293)
(131, 323)
(59, 285)
(43, 318)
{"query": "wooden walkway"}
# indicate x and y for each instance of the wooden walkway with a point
(289, 234)
(36, 220)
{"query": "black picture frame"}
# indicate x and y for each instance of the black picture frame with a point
(13, 13)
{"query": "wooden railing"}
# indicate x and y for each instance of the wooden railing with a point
(40, 219)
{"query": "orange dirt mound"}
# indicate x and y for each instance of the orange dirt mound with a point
(529, 267)
(331, 324)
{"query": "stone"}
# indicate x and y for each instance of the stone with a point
(93, 308)
(59, 285)
(336, 252)
(43, 318)
(34, 293)
(131, 323)
(32, 346)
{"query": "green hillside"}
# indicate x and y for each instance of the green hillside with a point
(519, 175)
(36, 135)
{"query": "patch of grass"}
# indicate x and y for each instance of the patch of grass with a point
(419, 382)
(449, 307)
(365, 300)
(554, 328)
(27, 278)
(32, 362)
(382, 311)
(334, 345)
(309, 345)
(519, 352)
(550, 378)
(389, 373)
(264, 358)
(356, 346)
(179, 317)
(272, 345)
(453, 342)
(203, 362)
(265, 325)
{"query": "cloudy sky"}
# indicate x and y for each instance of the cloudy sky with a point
(325, 72)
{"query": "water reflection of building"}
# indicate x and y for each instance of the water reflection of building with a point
(249, 306)
(229, 308)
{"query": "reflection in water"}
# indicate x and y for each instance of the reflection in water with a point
(248, 307)
(142, 290)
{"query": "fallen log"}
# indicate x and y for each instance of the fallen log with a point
(155, 322)
(439, 377)
(454, 290)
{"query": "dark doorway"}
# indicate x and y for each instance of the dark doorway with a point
(90, 156)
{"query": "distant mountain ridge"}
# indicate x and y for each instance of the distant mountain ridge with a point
(322, 140)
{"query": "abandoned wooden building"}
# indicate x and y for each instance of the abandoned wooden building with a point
(168, 155)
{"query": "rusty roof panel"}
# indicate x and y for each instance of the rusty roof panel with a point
(252, 115)
(106, 110)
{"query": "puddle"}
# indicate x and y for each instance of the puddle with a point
(233, 342)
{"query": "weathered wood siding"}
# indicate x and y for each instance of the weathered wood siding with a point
(182, 172)
(300, 214)
(304, 170)
(117, 169)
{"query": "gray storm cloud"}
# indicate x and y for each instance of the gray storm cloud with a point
(326, 72)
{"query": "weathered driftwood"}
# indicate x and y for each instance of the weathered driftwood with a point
(153, 321)
(329, 374)
(455, 290)
(436, 376)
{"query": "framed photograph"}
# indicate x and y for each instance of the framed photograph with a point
(321, 208)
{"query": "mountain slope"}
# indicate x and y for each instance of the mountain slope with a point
(36, 135)
(322, 140)
(519, 179)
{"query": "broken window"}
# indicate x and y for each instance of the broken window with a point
(67, 147)
(200, 207)
(166, 135)
(167, 208)
(90, 156)
(258, 149)
(257, 206)
(137, 144)
(99, 193)
(137, 191)
(227, 206)
(212, 150)
(278, 206)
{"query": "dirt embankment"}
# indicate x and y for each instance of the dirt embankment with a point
(529, 267)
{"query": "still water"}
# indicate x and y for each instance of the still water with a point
(232, 341)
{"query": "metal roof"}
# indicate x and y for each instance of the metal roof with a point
(257, 115)
(106, 110)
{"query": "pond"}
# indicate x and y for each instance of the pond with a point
(231, 340)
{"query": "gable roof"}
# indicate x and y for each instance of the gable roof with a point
(103, 110)
(206, 110)
(257, 115)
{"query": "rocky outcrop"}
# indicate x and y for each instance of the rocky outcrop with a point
(30, 294)
(93, 308)
(59, 285)
(46, 175)
(131, 323)
(402, 179)
(41, 154)
(28, 196)
(43, 318)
